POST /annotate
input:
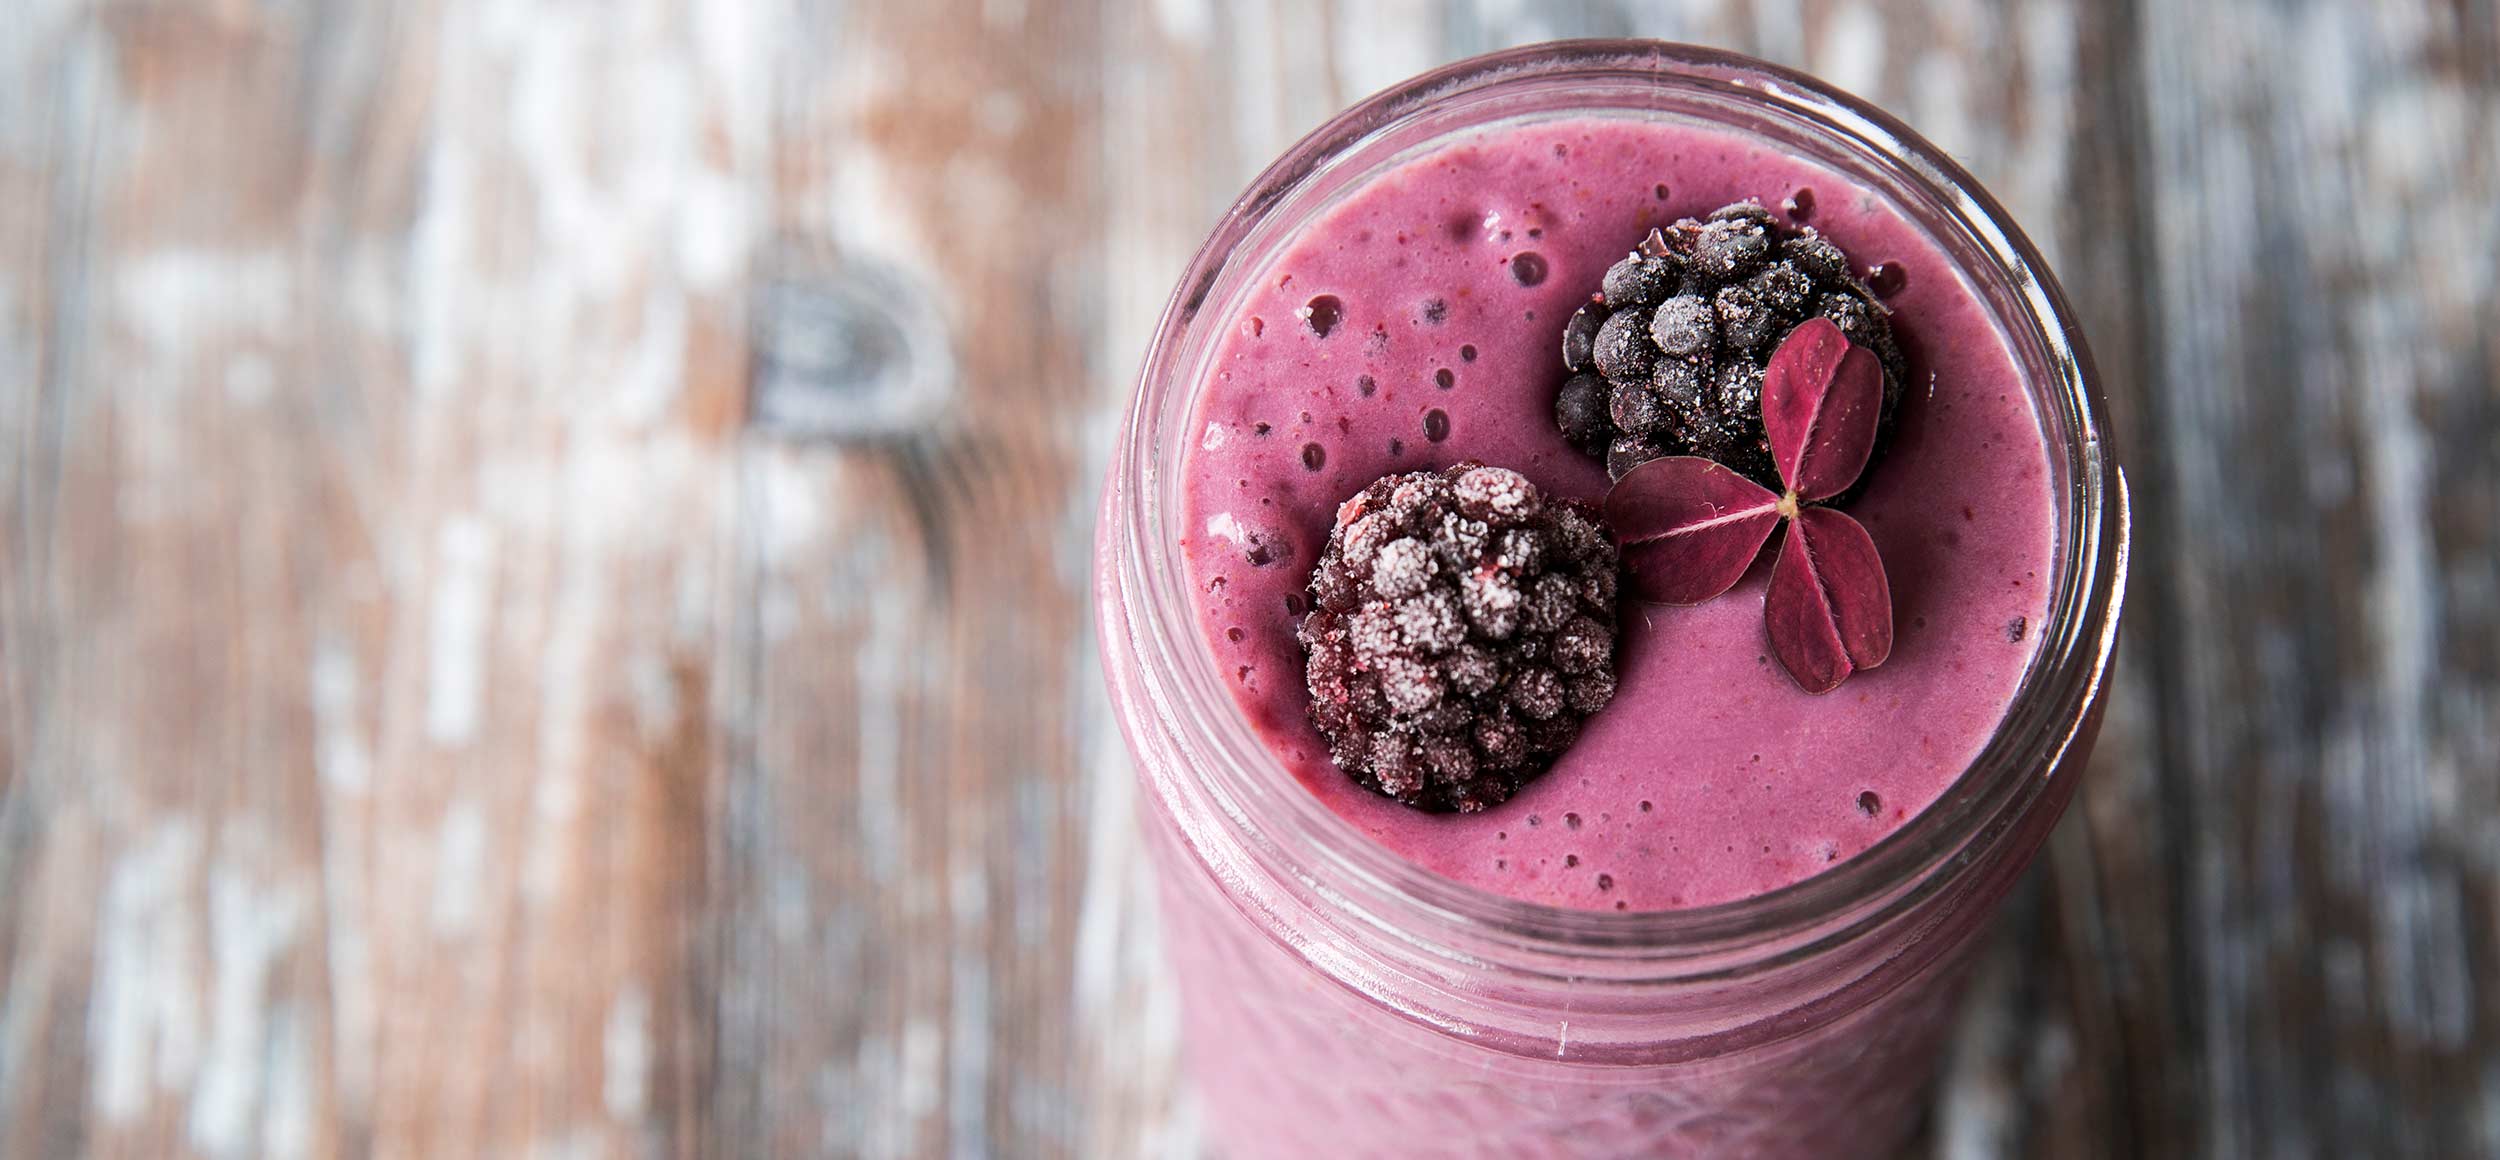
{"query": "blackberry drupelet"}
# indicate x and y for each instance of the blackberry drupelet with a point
(1462, 627)
(1667, 357)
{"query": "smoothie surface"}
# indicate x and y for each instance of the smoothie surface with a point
(1710, 777)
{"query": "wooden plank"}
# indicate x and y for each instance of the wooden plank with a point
(905, 840)
(360, 634)
(2320, 180)
(2263, 934)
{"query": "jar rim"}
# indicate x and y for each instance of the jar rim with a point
(1316, 854)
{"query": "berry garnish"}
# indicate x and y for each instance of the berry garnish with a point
(1667, 357)
(1691, 527)
(1462, 627)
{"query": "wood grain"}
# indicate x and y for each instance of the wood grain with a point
(543, 555)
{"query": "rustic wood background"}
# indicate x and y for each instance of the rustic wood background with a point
(543, 561)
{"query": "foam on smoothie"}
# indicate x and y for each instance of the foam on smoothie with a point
(1417, 323)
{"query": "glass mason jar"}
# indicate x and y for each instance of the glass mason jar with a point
(1341, 1001)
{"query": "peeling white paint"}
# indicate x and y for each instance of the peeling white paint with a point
(1779, 34)
(968, 1042)
(439, 299)
(343, 765)
(727, 42)
(649, 371)
(792, 500)
(571, 680)
(654, 694)
(456, 631)
(1940, 100)
(179, 305)
(459, 870)
(290, 1114)
(173, 300)
(2041, 157)
(715, 231)
(1380, 44)
(144, 1020)
(340, 756)
(918, 1074)
(882, 662)
(872, 1118)
(1190, 22)
(787, 906)
(777, 616)
(1258, 130)
(252, 924)
(1850, 52)
(2427, 981)
(625, 1055)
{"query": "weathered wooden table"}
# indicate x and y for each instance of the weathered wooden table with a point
(543, 561)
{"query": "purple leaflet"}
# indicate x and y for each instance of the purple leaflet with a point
(1691, 527)
(1822, 400)
(1828, 609)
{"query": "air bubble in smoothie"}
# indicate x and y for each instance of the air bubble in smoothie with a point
(1321, 314)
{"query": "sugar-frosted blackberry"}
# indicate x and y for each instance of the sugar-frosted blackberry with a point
(1640, 280)
(1462, 627)
(1726, 249)
(1684, 327)
(1747, 211)
(1624, 351)
(1580, 410)
(1580, 337)
(1634, 409)
(1690, 320)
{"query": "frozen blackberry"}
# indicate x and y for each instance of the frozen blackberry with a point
(1462, 627)
(1639, 280)
(1624, 352)
(1690, 320)
(1580, 337)
(1580, 410)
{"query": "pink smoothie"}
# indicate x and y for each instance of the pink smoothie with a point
(1710, 777)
